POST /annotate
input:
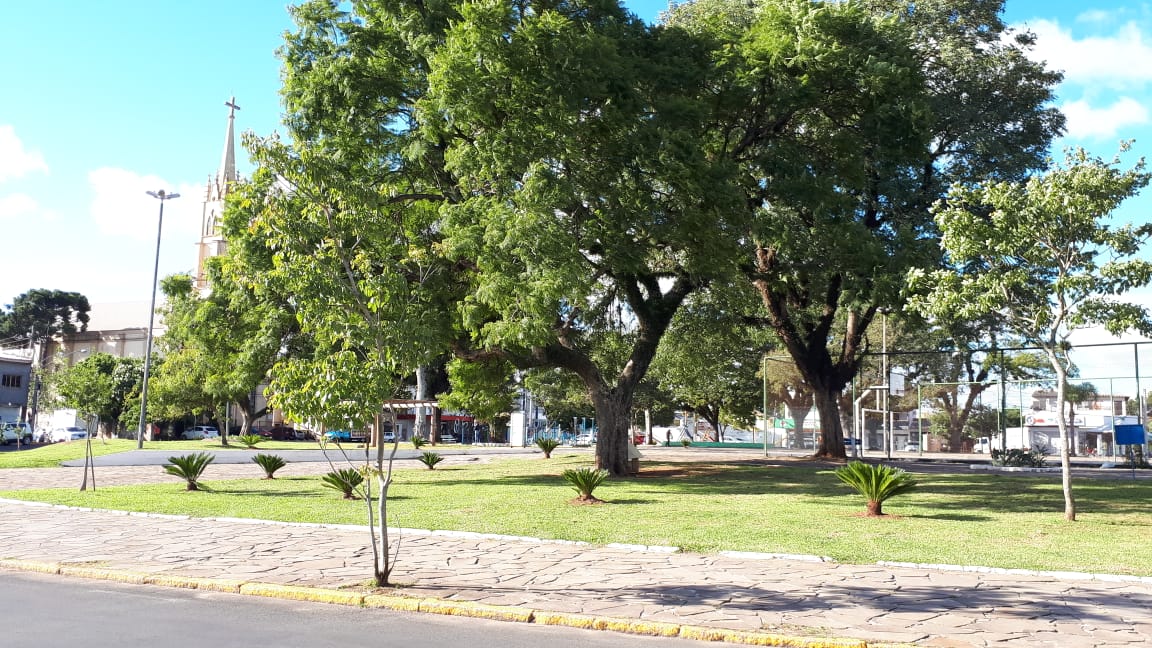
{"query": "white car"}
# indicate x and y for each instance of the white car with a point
(72, 433)
(13, 432)
(200, 432)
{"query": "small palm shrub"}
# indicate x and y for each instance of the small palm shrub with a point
(345, 480)
(685, 442)
(189, 467)
(547, 445)
(418, 442)
(876, 482)
(250, 441)
(270, 464)
(585, 480)
(430, 459)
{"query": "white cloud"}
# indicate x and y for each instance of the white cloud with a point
(20, 207)
(121, 206)
(1097, 16)
(1119, 60)
(1087, 121)
(15, 161)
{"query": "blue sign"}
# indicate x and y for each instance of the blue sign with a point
(1130, 434)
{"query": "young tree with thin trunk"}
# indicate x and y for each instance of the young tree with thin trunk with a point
(1041, 255)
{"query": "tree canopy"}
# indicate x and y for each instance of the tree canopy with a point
(890, 103)
(42, 314)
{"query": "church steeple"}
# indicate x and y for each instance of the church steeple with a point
(211, 242)
(227, 172)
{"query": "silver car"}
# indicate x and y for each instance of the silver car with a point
(72, 433)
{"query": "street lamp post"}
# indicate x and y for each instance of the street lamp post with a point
(162, 196)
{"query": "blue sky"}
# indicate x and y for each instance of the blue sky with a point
(102, 101)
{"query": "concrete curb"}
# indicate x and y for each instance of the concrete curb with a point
(507, 613)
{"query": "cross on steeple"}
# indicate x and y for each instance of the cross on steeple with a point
(232, 104)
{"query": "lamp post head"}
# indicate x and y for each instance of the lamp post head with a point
(163, 195)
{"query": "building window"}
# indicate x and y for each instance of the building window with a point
(11, 380)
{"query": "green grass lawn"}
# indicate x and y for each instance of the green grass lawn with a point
(992, 520)
(47, 456)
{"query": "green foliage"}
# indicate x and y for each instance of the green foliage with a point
(709, 360)
(345, 480)
(876, 482)
(218, 347)
(482, 388)
(250, 441)
(1019, 457)
(430, 459)
(419, 442)
(1041, 255)
(547, 444)
(270, 464)
(941, 90)
(44, 314)
(103, 385)
(585, 480)
(189, 467)
(685, 442)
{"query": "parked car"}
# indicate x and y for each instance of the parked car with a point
(447, 438)
(200, 432)
(850, 442)
(388, 437)
(343, 435)
(585, 439)
(72, 433)
(911, 447)
(16, 431)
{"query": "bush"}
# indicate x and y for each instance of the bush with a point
(418, 442)
(345, 480)
(876, 482)
(547, 445)
(1029, 458)
(685, 442)
(189, 467)
(585, 480)
(250, 441)
(430, 459)
(270, 464)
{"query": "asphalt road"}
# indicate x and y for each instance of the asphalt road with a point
(40, 611)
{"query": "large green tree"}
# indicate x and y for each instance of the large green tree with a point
(709, 362)
(219, 347)
(42, 314)
(1041, 255)
(876, 132)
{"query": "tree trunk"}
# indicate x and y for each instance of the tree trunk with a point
(799, 412)
(613, 422)
(831, 433)
(422, 380)
(875, 508)
(1065, 461)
